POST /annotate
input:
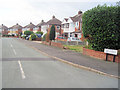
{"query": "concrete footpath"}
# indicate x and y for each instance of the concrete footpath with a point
(109, 68)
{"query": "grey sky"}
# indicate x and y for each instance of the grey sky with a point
(26, 11)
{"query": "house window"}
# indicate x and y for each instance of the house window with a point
(67, 25)
(58, 27)
(62, 25)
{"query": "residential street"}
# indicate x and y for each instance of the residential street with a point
(25, 67)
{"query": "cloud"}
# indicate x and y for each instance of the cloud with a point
(26, 11)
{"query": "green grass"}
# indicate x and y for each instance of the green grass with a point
(77, 48)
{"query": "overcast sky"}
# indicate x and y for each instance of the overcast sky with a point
(26, 11)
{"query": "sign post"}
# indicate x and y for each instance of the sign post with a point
(110, 51)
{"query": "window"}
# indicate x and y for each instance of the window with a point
(58, 27)
(67, 25)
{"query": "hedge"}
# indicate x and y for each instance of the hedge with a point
(100, 27)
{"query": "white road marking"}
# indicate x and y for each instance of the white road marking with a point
(21, 69)
(14, 51)
(11, 45)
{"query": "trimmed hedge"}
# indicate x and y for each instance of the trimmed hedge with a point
(100, 27)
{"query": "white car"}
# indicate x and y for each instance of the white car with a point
(73, 39)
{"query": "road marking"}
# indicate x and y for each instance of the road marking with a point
(14, 51)
(21, 69)
(11, 45)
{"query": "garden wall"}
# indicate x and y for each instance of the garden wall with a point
(100, 55)
(53, 44)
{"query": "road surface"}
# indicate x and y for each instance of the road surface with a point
(24, 67)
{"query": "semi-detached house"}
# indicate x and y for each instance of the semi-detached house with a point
(16, 29)
(72, 26)
(3, 29)
(28, 27)
(47, 26)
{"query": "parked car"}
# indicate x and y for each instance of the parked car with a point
(27, 38)
(73, 39)
(61, 38)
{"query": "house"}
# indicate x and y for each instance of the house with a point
(38, 26)
(68, 26)
(57, 23)
(28, 27)
(72, 26)
(16, 29)
(3, 29)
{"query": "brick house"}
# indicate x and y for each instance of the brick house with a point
(3, 29)
(28, 27)
(57, 23)
(72, 26)
(38, 26)
(16, 29)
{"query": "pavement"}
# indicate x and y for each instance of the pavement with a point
(25, 67)
(110, 68)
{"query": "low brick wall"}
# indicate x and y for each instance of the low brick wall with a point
(100, 55)
(56, 44)
(46, 43)
(53, 44)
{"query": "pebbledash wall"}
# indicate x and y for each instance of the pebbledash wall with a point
(100, 55)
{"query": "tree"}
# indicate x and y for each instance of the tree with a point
(101, 27)
(28, 33)
(52, 33)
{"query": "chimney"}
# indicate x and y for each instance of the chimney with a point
(42, 20)
(30, 22)
(79, 12)
(16, 23)
(2, 24)
(53, 16)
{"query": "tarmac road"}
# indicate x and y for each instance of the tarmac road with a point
(24, 67)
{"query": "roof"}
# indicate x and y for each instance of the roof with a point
(41, 23)
(77, 17)
(54, 21)
(30, 25)
(3, 27)
(17, 26)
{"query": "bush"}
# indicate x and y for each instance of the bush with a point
(100, 27)
(32, 37)
(52, 33)
(39, 32)
(28, 33)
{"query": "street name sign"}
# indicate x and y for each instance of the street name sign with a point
(110, 51)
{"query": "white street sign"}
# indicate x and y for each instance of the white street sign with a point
(111, 51)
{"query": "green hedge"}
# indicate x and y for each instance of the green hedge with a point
(32, 37)
(28, 33)
(39, 32)
(100, 27)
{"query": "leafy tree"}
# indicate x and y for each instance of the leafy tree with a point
(52, 33)
(39, 32)
(28, 33)
(101, 27)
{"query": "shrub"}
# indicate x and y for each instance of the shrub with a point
(28, 33)
(100, 27)
(39, 32)
(33, 37)
(52, 33)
